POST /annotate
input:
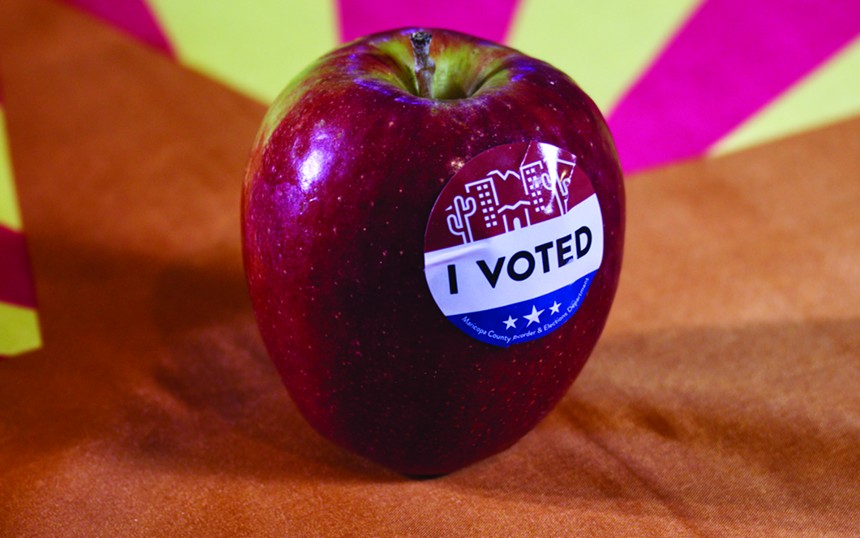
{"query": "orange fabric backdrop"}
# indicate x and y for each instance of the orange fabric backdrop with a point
(722, 399)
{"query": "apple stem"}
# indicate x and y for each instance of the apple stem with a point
(424, 66)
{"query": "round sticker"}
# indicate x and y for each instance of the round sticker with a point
(513, 242)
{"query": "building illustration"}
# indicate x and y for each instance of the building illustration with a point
(507, 200)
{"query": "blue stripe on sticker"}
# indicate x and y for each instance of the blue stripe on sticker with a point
(526, 320)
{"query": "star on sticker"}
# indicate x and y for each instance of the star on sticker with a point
(554, 308)
(511, 322)
(534, 317)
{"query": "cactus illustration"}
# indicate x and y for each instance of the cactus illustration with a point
(458, 221)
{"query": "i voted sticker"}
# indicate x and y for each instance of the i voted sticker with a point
(513, 243)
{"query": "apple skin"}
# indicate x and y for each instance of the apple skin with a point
(346, 168)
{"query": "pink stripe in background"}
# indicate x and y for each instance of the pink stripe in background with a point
(132, 16)
(731, 58)
(489, 19)
(16, 285)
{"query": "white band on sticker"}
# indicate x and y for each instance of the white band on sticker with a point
(519, 265)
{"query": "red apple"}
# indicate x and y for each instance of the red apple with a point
(347, 167)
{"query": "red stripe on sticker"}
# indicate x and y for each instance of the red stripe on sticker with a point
(16, 282)
(489, 19)
(730, 59)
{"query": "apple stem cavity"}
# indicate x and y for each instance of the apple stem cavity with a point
(424, 66)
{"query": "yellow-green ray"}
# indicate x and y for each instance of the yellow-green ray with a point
(603, 45)
(254, 47)
(19, 329)
(9, 214)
